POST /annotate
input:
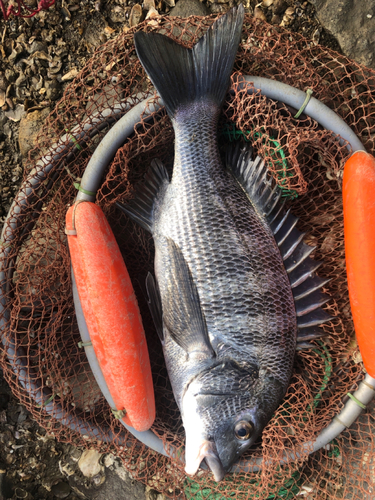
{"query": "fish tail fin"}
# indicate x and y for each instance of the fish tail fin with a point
(182, 75)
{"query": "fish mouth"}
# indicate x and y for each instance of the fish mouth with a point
(207, 451)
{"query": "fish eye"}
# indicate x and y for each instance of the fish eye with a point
(243, 430)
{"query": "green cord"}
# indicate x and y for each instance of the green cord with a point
(119, 414)
(335, 450)
(309, 93)
(74, 140)
(328, 371)
(77, 185)
(47, 401)
(359, 403)
(277, 153)
(196, 491)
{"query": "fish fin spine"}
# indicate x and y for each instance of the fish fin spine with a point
(140, 208)
(300, 267)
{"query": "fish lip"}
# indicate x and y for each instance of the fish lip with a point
(207, 451)
(214, 463)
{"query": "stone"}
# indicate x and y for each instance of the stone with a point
(136, 15)
(350, 24)
(89, 463)
(37, 46)
(279, 6)
(219, 8)
(52, 89)
(152, 13)
(290, 11)
(186, 8)
(16, 113)
(94, 27)
(113, 488)
(21, 80)
(117, 14)
(109, 460)
(10, 75)
(148, 4)
(259, 14)
(3, 82)
(30, 126)
(61, 489)
(70, 75)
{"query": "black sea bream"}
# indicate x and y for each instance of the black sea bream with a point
(227, 259)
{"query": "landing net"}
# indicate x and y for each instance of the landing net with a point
(306, 160)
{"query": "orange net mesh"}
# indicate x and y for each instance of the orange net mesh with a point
(41, 328)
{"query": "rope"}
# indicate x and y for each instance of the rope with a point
(78, 186)
(73, 231)
(359, 403)
(276, 152)
(309, 93)
(84, 344)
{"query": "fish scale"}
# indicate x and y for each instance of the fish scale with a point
(222, 302)
(219, 249)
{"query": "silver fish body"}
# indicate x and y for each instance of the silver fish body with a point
(243, 288)
(223, 301)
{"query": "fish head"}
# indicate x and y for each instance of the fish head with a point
(224, 411)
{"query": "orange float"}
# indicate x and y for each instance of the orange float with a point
(359, 230)
(112, 315)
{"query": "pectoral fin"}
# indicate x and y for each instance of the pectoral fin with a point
(154, 303)
(182, 313)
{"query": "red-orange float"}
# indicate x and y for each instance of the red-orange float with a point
(111, 312)
(359, 230)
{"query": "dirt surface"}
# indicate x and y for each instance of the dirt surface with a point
(39, 57)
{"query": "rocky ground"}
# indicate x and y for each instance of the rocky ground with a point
(38, 58)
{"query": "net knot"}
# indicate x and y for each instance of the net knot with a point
(73, 231)
(119, 414)
(84, 344)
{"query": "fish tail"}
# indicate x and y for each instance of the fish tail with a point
(183, 76)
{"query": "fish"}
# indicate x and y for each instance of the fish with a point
(234, 283)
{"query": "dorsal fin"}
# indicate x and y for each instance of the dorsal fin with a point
(265, 194)
(140, 208)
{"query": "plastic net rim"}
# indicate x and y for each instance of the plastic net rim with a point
(136, 116)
